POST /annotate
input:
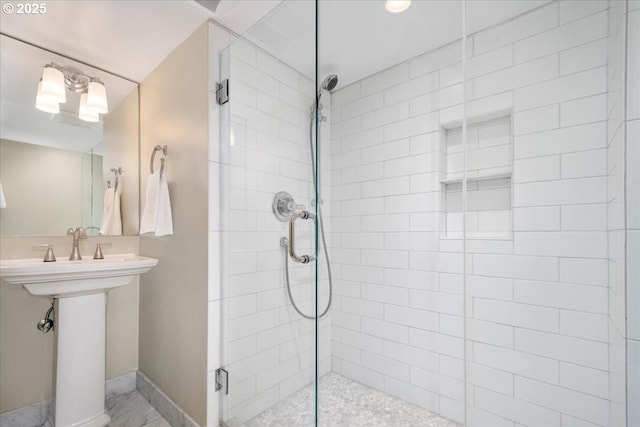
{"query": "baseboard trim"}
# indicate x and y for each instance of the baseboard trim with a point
(162, 403)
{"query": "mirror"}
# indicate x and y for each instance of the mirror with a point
(56, 170)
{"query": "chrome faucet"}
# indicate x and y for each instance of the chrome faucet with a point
(77, 234)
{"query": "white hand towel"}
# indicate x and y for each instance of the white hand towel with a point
(107, 207)
(111, 224)
(115, 228)
(156, 216)
(3, 201)
(148, 220)
(164, 220)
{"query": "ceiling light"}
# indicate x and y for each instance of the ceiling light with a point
(397, 6)
(46, 103)
(57, 80)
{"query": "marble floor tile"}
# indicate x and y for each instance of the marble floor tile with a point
(346, 403)
(132, 410)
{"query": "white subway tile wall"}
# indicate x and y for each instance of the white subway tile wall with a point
(538, 349)
(270, 349)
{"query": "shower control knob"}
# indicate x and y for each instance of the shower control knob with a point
(283, 206)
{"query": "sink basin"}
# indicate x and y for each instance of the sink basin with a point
(65, 278)
(80, 289)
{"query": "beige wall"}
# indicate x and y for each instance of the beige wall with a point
(173, 296)
(32, 177)
(26, 354)
(121, 150)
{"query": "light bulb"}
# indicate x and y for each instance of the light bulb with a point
(397, 6)
(97, 98)
(85, 113)
(53, 84)
(46, 102)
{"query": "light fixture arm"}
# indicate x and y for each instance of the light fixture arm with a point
(75, 80)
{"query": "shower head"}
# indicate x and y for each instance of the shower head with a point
(328, 84)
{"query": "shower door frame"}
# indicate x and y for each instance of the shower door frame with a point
(227, 141)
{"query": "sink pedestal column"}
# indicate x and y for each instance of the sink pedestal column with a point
(80, 365)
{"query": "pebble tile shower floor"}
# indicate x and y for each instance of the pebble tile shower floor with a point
(347, 403)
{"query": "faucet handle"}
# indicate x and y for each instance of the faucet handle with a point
(49, 256)
(98, 254)
(71, 231)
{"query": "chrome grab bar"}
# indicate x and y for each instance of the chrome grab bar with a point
(304, 259)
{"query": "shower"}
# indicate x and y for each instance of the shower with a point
(328, 84)
(284, 207)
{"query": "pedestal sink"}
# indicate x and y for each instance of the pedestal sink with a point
(80, 288)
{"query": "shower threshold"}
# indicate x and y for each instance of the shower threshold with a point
(347, 403)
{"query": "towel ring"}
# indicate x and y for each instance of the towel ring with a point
(153, 155)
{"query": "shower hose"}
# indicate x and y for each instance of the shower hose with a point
(285, 242)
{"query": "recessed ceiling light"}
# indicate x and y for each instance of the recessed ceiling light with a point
(397, 6)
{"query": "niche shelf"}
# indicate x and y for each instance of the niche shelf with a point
(489, 184)
(476, 177)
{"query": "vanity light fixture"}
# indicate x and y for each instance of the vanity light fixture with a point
(397, 6)
(57, 80)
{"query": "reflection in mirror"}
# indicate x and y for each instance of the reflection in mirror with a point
(92, 201)
(58, 170)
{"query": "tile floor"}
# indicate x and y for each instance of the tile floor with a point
(346, 403)
(343, 402)
(132, 410)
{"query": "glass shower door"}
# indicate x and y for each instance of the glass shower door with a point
(269, 216)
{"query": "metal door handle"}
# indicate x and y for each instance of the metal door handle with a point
(304, 259)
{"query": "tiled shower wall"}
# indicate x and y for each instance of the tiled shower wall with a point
(269, 348)
(537, 307)
(615, 208)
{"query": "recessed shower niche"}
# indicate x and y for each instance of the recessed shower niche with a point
(489, 184)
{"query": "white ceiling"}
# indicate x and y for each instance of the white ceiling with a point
(357, 38)
(131, 37)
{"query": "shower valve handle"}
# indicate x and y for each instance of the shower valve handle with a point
(304, 259)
